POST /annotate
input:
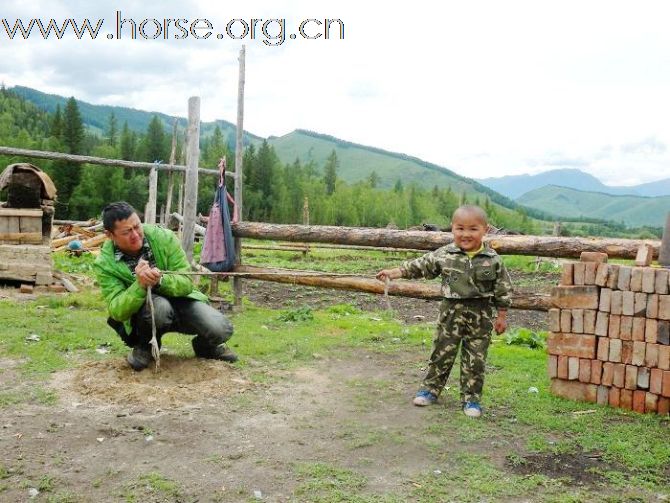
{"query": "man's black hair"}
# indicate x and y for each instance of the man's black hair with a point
(114, 212)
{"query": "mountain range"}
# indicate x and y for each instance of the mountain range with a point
(514, 186)
(564, 193)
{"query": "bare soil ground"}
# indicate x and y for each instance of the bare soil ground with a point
(202, 431)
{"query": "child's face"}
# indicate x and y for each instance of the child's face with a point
(469, 230)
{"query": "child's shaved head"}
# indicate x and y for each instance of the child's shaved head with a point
(470, 210)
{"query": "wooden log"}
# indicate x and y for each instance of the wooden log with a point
(412, 289)
(239, 152)
(173, 159)
(664, 252)
(100, 161)
(150, 209)
(191, 190)
(33, 238)
(547, 246)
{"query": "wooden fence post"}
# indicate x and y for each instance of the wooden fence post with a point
(664, 251)
(173, 155)
(191, 189)
(237, 282)
(150, 210)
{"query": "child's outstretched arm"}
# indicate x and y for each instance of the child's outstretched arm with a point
(385, 274)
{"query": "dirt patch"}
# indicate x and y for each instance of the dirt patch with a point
(583, 469)
(179, 381)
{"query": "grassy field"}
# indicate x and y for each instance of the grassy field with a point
(529, 446)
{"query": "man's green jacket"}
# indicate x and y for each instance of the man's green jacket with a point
(124, 295)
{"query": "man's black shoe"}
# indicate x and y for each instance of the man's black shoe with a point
(220, 352)
(139, 358)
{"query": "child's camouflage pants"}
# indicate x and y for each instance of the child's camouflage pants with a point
(468, 322)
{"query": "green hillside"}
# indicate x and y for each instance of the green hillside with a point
(357, 162)
(572, 203)
(95, 117)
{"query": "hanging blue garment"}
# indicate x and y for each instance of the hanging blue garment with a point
(218, 250)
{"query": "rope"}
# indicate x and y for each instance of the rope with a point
(155, 350)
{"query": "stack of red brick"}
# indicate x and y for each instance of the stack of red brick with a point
(610, 336)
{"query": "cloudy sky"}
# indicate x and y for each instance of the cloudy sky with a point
(485, 88)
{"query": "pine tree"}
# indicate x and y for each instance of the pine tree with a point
(112, 129)
(154, 141)
(73, 128)
(374, 179)
(127, 143)
(330, 172)
(56, 125)
(66, 175)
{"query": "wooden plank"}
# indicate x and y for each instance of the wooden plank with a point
(22, 237)
(191, 190)
(20, 212)
(30, 224)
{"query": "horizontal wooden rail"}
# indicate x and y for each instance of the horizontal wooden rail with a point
(101, 161)
(545, 246)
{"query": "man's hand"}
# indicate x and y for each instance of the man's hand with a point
(146, 275)
(385, 274)
(500, 325)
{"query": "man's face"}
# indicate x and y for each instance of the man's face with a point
(468, 230)
(128, 235)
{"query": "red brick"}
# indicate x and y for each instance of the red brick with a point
(627, 303)
(627, 352)
(639, 324)
(590, 273)
(578, 321)
(652, 306)
(651, 356)
(663, 406)
(616, 302)
(661, 284)
(566, 321)
(566, 275)
(650, 403)
(645, 255)
(574, 390)
(578, 274)
(626, 328)
(639, 350)
(602, 395)
(596, 371)
(626, 399)
(590, 321)
(614, 396)
(615, 350)
(648, 280)
(639, 399)
(618, 378)
(608, 374)
(665, 389)
(664, 357)
(663, 334)
(26, 288)
(601, 274)
(602, 323)
(630, 378)
(595, 257)
(554, 320)
(656, 381)
(643, 378)
(603, 352)
(613, 276)
(562, 370)
(614, 326)
(573, 368)
(623, 282)
(664, 307)
(579, 345)
(651, 330)
(605, 300)
(552, 366)
(584, 370)
(640, 308)
(636, 279)
(579, 297)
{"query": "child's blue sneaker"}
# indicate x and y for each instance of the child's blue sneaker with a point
(472, 409)
(424, 397)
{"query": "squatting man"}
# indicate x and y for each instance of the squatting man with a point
(134, 259)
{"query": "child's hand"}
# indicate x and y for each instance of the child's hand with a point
(385, 274)
(500, 324)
